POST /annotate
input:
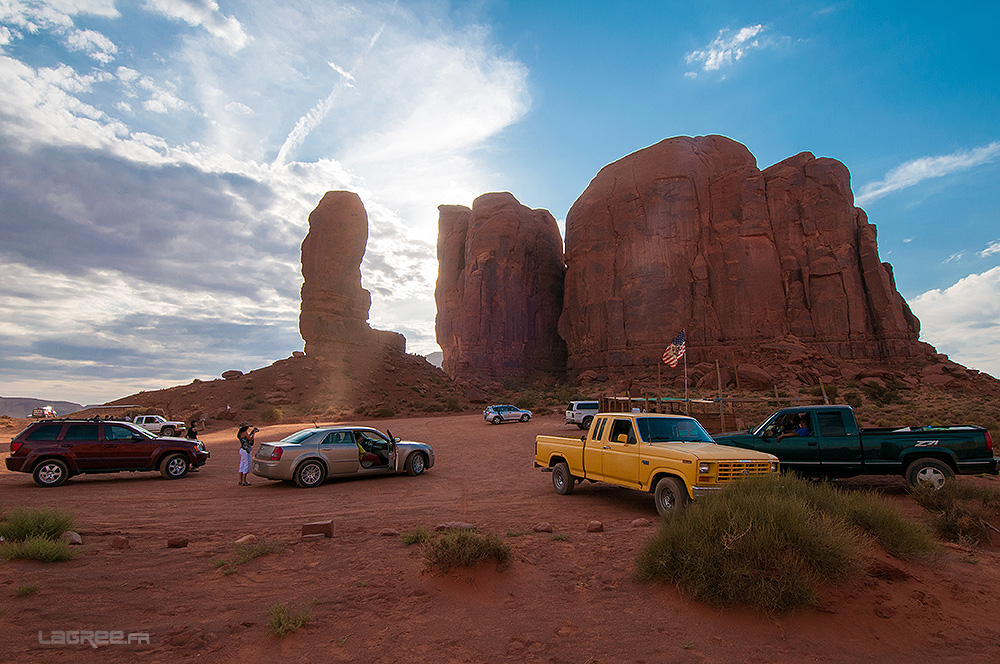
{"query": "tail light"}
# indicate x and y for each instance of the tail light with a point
(989, 442)
(14, 447)
(275, 454)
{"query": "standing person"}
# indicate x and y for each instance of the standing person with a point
(192, 434)
(245, 436)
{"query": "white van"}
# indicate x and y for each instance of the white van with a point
(581, 413)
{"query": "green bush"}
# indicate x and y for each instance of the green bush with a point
(37, 548)
(452, 404)
(773, 542)
(271, 415)
(465, 548)
(418, 535)
(281, 621)
(26, 589)
(959, 510)
(21, 523)
(526, 401)
(853, 399)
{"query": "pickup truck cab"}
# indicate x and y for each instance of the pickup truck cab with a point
(159, 425)
(832, 445)
(671, 456)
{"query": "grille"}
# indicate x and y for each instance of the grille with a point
(734, 470)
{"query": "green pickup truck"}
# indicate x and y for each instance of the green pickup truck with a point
(825, 441)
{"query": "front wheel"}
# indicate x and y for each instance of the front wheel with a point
(167, 431)
(416, 464)
(562, 480)
(174, 466)
(929, 471)
(51, 472)
(310, 474)
(670, 496)
(525, 418)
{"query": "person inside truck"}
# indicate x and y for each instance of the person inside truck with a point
(802, 428)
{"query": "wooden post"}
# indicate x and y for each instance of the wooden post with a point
(722, 405)
(822, 389)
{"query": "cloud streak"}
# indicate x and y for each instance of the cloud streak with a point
(916, 171)
(727, 48)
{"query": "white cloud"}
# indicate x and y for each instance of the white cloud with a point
(916, 171)
(727, 48)
(957, 256)
(963, 321)
(203, 13)
(991, 248)
(93, 43)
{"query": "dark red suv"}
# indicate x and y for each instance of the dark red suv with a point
(55, 450)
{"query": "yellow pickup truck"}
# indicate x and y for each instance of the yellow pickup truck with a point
(671, 456)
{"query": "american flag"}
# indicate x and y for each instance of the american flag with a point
(675, 351)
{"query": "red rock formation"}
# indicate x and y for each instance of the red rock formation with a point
(499, 288)
(690, 234)
(334, 305)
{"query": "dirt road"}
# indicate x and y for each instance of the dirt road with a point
(562, 600)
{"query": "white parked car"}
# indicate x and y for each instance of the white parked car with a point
(159, 425)
(506, 413)
(581, 413)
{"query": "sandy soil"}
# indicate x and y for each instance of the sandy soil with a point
(571, 600)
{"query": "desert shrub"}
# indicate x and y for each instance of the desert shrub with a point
(852, 399)
(433, 407)
(21, 524)
(38, 548)
(526, 401)
(452, 404)
(418, 535)
(882, 395)
(384, 411)
(544, 410)
(26, 589)
(772, 542)
(959, 510)
(465, 548)
(281, 621)
(271, 415)
(831, 392)
(249, 551)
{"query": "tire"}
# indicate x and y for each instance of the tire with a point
(310, 474)
(525, 418)
(50, 472)
(416, 464)
(670, 496)
(168, 431)
(497, 419)
(932, 471)
(174, 466)
(562, 480)
(587, 421)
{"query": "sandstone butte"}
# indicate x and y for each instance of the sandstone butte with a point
(334, 309)
(777, 267)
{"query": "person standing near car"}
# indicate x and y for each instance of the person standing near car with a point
(245, 436)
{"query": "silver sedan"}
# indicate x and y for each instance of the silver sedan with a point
(310, 456)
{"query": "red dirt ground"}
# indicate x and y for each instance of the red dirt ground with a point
(573, 600)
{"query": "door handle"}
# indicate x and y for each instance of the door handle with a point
(813, 443)
(605, 448)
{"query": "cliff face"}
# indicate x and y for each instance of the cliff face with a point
(334, 310)
(499, 288)
(690, 234)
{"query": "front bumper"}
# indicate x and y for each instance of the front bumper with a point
(703, 490)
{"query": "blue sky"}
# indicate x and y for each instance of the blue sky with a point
(159, 158)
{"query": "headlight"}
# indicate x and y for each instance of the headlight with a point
(774, 466)
(704, 468)
(201, 446)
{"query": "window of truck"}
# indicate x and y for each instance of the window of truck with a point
(600, 431)
(662, 430)
(831, 423)
(620, 427)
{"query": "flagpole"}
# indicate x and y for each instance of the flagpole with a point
(687, 404)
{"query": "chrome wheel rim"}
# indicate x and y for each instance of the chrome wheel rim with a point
(50, 473)
(418, 464)
(310, 474)
(931, 476)
(175, 466)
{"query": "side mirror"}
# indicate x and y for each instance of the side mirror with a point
(622, 438)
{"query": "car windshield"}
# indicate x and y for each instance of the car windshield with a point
(670, 430)
(298, 436)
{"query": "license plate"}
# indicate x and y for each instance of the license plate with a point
(256, 466)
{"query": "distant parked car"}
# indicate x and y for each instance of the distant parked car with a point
(581, 413)
(55, 450)
(43, 411)
(160, 425)
(506, 413)
(310, 456)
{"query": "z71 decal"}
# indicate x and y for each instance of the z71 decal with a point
(926, 443)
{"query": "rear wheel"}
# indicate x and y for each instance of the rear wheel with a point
(670, 495)
(497, 419)
(51, 472)
(929, 471)
(310, 474)
(174, 466)
(562, 480)
(587, 421)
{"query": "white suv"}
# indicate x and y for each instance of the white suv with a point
(504, 413)
(581, 413)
